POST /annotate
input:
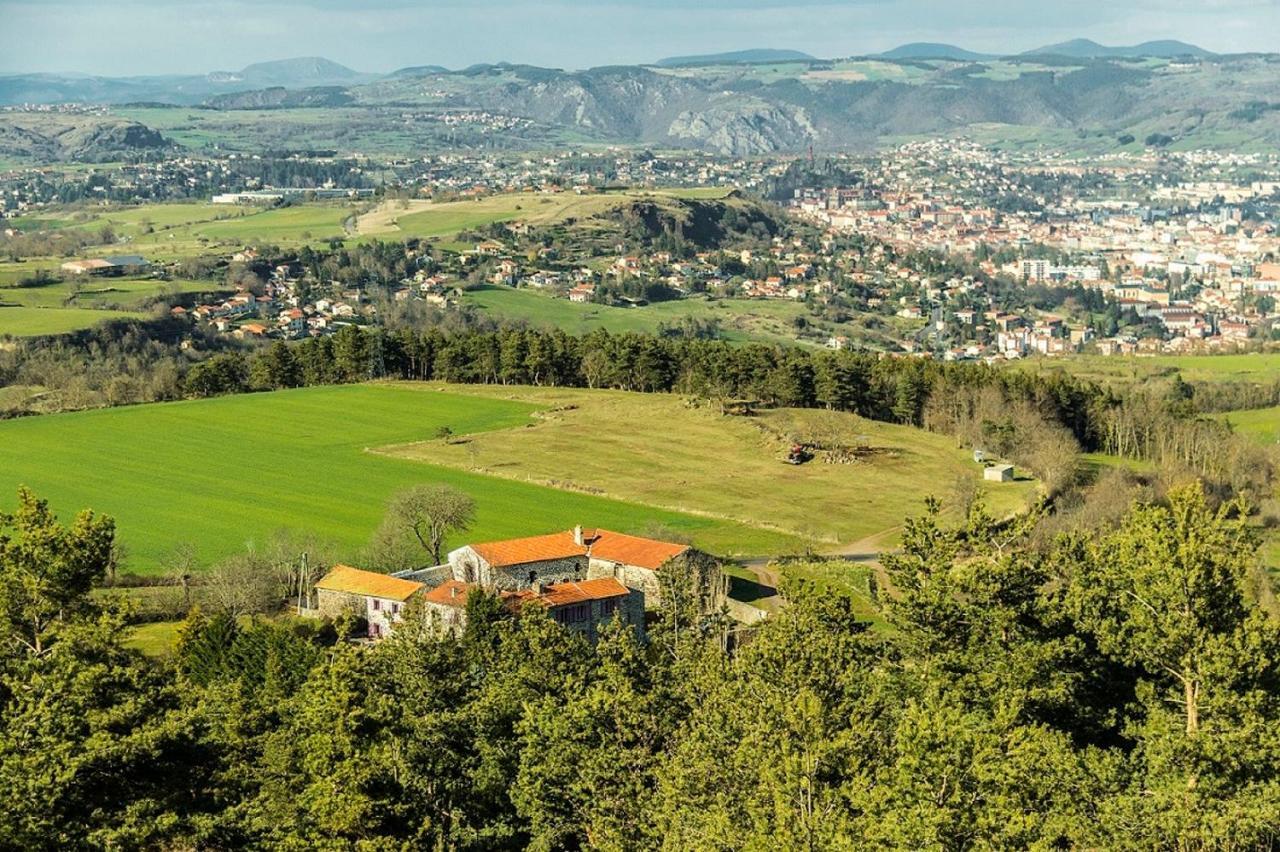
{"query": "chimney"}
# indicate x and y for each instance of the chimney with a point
(577, 535)
(453, 591)
(538, 587)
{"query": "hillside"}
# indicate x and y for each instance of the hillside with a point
(659, 451)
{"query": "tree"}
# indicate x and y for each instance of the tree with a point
(47, 570)
(430, 513)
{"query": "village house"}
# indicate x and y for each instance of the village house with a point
(379, 598)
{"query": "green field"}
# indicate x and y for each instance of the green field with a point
(78, 302)
(29, 322)
(1259, 424)
(740, 319)
(225, 473)
(658, 450)
(1252, 367)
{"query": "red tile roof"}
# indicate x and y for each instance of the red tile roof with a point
(449, 593)
(634, 550)
(563, 594)
(354, 581)
(538, 548)
(599, 544)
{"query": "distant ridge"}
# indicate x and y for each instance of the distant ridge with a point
(932, 50)
(292, 73)
(737, 57)
(1084, 48)
(417, 71)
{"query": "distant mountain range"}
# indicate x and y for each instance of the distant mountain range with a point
(183, 89)
(1083, 48)
(726, 103)
(736, 57)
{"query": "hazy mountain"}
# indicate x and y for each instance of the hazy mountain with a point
(1232, 103)
(302, 72)
(417, 71)
(182, 89)
(1083, 48)
(736, 57)
(932, 50)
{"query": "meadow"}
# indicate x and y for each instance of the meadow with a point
(224, 474)
(76, 303)
(660, 450)
(33, 322)
(740, 319)
(1249, 367)
(1259, 424)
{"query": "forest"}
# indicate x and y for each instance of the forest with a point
(1117, 687)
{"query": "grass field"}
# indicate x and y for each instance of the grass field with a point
(225, 473)
(430, 219)
(1260, 424)
(657, 450)
(29, 322)
(740, 319)
(78, 303)
(1253, 367)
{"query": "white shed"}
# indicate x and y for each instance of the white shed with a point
(998, 473)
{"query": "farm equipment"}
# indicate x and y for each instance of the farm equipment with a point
(800, 453)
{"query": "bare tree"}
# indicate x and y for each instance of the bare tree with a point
(244, 585)
(430, 513)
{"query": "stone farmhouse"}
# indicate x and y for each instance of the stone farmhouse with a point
(583, 577)
(379, 598)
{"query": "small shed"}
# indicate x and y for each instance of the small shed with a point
(998, 473)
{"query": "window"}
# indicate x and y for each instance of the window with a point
(608, 606)
(377, 604)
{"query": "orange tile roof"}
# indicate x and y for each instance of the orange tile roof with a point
(521, 551)
(600, 544)
(634, 550)
(353, 581)
(449, 593)
(562, 594)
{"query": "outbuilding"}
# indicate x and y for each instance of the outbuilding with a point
(998, 473)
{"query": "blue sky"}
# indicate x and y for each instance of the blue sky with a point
(161, 36)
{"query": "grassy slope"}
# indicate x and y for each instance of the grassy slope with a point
(740, 319)
(224, 473)
(1260, 424)
(655, 449)
(28, 322)
(1254, 367)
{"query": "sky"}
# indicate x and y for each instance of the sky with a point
(122, 37)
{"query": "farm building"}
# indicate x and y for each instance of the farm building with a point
(118, 265)
(998, 473)
(571, 555)
(582, 576)
(379, 598)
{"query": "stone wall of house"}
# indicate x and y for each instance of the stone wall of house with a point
(642, 580)
(334, 604)
(468, 567)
